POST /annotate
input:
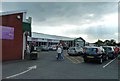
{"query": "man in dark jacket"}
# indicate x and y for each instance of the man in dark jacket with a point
(32, 48)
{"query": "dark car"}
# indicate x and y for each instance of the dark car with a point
(95, 54)
(110, 51)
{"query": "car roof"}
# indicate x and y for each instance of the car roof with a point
(91, 47)
(108, 46)
(72, 47)
(75, 47)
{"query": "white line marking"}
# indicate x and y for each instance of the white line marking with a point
(108, 63)
(29, 68)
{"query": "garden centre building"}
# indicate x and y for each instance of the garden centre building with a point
(46, 39)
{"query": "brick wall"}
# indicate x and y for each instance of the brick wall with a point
(12, 49)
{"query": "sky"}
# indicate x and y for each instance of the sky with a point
(89, 20)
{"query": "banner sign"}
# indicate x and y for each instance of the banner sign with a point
(7, 33)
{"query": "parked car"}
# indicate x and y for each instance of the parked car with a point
(50, 47)
(110, 51)
(38, 48)
(44, 48)
(94, 53)
(75, 51)
(53, 47)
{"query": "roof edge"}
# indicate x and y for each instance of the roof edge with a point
(54, 35)
(12, 12)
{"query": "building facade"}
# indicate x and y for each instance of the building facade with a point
(45, 39)
(12, 34)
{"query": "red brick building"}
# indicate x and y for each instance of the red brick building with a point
(12, 35)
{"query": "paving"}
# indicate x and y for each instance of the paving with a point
(47, 67)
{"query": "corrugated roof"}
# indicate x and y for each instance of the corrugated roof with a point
(12, 12)
(47, 36)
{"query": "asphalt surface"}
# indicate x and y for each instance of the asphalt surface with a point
(47, 67)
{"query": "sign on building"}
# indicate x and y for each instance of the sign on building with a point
(7, 33)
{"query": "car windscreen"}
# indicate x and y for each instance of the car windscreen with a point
(107, 49)
(71, 48)
(91, 50)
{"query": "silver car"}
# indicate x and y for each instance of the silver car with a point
(75, 51)
(110, 51)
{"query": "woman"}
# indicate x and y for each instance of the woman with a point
(59, 52)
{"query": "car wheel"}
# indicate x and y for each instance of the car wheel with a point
(113, 56)
(101, 61)
(106, 58)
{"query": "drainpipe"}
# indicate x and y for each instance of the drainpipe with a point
(25, 34)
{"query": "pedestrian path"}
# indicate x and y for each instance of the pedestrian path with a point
(74, 59)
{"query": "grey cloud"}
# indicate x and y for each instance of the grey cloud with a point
(61, 13)
(61, 1)
(56, 14)
(94, 32)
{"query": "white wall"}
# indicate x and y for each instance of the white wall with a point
(24, 44)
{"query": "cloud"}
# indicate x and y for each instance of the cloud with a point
(90, 20)
(59, 1)
(53, 12)
(74, 13)
(104, 28)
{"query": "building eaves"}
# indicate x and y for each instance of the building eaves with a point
(12, 12)
(47, 36)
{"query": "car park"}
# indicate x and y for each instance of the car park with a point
(75, 51)
(95, 54)
(110, 51)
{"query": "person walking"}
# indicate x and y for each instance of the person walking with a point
(28, 49)
(32, 48)
(59, 51)
(27, 52)
(116, 49)
(62, 55)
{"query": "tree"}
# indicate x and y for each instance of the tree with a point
(112, 42)
(107, 42)
(118, 44)
(99, 43)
